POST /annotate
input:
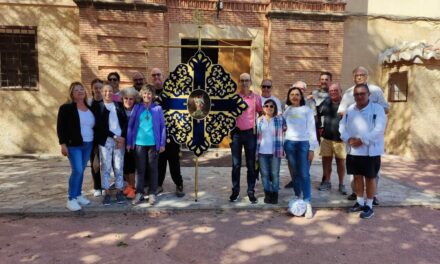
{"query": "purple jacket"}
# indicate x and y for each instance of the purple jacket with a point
(158, 125)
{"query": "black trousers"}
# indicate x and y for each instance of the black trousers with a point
(146, 160)
(171, 154)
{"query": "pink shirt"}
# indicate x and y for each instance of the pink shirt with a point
(247, 119)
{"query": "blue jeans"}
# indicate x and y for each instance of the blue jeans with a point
(248, 140)
(270, 172)
(78, 158)
(297, 155)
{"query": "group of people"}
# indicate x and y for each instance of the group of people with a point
(349, 127)
(124, 130)
(119, 130)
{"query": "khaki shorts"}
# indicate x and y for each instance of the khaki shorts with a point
(330, 147)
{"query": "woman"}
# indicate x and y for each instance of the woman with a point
(114, 79)
(146, 135)
(75, 134)
(111, 130)
(300, 143)
(129, 98)
(270, 130)
(96, 86)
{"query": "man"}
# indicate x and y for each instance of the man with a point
(331, 139)
(319, 95)
(244, 135)
(172, 149)
(360, 76)
(138, 80)
(266, 94)
(362, 128)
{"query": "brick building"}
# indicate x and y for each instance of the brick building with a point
(291, 40)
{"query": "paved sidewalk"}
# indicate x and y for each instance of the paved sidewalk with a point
(39, 186)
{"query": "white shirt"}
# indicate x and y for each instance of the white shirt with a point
(300, 125)
(277, 101)
(86, 122)
(113, 122)
(368, 124)
(376, 96)
(267, 132)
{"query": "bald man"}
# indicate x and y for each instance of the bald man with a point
(138, 80)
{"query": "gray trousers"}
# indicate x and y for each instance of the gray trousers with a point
(147, 158)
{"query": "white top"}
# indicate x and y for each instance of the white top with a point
(300, 125)
(86, 122)
(113, 122)
(368, 124)
(376, 96)
(267, 132)
(277, 101)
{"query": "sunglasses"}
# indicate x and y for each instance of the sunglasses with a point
(266, 86)
(112, 80)
(359, 94)
(139, 80)
(269, 106)
(246, 80)
(156, 74)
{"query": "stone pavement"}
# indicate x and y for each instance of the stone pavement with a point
(39, 186)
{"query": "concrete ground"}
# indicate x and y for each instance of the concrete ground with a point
(35, 226)
(39, 186)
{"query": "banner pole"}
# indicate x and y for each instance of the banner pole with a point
(196, 179)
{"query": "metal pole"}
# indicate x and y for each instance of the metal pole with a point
(196, 179)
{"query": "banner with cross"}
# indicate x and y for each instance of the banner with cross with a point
(200, 103)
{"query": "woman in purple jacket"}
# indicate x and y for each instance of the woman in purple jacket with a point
(146, 136)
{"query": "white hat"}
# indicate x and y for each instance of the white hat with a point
(297, 207)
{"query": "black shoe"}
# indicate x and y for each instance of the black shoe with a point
(252, 197)
(234, 196)
(289, 185)
(356, 208)
(179, 191)
(120, 199)
(274, 198)
(375, 201)
(367, 213)
(107, 200)
(352, 197)
(267, 197)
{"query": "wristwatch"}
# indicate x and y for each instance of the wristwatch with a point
(115, 137)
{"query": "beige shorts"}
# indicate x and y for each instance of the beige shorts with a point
(330, 148)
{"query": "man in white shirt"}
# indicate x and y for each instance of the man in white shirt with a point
(360, 76)
(362, 129)
(266, 94)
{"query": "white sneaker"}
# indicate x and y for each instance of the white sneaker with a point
(73, 205)
(309, 212)
(82, 200)
(97, 193)
(151, 199)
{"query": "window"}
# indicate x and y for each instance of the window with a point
(398, 87)
(18, 58)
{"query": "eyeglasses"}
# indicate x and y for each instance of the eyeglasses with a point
(245, 80)
(266, 86)
(129, 99)
(359, 94)
(269, 106)
(156, 74)
(112, 79)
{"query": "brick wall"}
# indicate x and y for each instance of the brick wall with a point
(295, 48)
